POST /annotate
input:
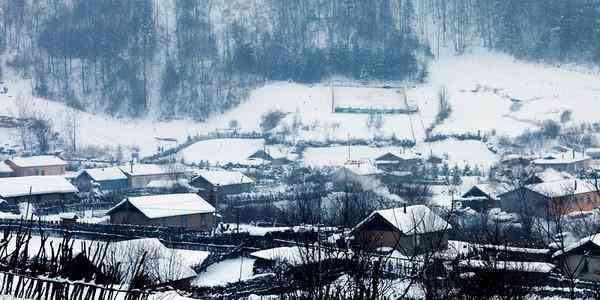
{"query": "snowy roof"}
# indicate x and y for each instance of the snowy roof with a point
(261, 154)
(297, 255)
(162, 206)
(20, 186)
(104, 174)
(161, 184)
(555, 160)
(592, 240)
(223, 178)
(392, 157)
(4, 168)
(148, 169)
(162, 264)
(68, 216)
(363, 168)
(550, 175)
(518, 266)
(417, 219)
(509, 157)
(254, 162)
(561, 188)
(70, 174)
(37, 161)
(592, 151)
(492, 190)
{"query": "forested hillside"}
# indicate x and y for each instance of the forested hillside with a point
(197, 58)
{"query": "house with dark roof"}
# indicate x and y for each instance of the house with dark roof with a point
(261, 154)
(108, 179)
(397, 162)
(37, 165)
(482, 196)
(179, 210)
(409, 229)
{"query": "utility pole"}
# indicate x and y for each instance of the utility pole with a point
(332, 96)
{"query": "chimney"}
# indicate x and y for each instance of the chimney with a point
(404, 206)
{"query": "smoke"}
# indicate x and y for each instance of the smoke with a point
(370, 183)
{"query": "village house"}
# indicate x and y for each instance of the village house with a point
(37, 165)
(215, 184)
(107, 179)
(37, 190)
(397, 162)
(139, 175)
(264, 158)
(179, 210)
(482, 196)
(551, 198)
(581, 259)
(564, 162)
(413, 229)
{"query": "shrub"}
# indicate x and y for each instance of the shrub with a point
(271, 119)
(551, 128)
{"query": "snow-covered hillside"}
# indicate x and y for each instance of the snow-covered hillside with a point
(480, 84)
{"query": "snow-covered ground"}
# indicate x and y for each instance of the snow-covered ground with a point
(227, 271)
(480, 85)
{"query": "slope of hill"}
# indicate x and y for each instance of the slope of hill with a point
(480, 85)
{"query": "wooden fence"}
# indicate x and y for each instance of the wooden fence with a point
(23, 286)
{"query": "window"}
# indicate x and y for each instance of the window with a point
(184, 220)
